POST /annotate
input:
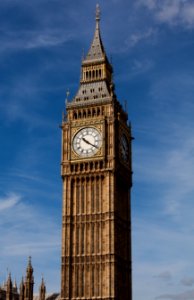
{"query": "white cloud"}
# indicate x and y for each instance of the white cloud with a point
(140, 36)
(9, 201)
(26, 39)
(28, 229)
(171, 12)
(188, 14)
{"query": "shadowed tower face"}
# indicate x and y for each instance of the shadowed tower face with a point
(96, 175)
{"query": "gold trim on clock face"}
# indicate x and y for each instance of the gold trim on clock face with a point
(87, 142)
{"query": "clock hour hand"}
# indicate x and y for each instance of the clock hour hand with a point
(87, 142)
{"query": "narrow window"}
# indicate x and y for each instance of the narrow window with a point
(82, 197)
(82, 239)
(92, 196)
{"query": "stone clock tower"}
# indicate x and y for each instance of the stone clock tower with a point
(96, 174)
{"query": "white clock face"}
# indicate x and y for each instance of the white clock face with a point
(124, 148)
(87, 141)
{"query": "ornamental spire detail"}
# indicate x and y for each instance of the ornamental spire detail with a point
(97, 12)
(96, 83)
(96, 52)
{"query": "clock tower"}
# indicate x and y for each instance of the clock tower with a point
(96, 174)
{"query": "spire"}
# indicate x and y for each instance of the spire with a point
(9, 282)
(29, 270)
(22, 289)
(15, 288)
(97, 13)
(9, 288)
(42, 290)
(29, 281)
(96, 51)
(96, 74)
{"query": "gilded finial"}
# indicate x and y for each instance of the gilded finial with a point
(97, 12)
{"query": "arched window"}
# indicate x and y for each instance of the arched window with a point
(82, 238)
(82, 196)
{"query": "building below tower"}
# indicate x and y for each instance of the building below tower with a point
(10, 291)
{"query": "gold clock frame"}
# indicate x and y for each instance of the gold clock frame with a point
(75, 127)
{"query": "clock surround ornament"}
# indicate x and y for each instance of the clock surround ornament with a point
(87, 142)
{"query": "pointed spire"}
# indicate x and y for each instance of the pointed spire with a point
(42, 290)
(22, 289)
(9, 288)
(96, 73)
(29, 270)
(9, 282)
(96, 51)
(29, 281)
(15, 288)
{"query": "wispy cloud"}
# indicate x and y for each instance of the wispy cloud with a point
(165, 276)
(26, 39)
(141, 36)
(9, 201)
(27, 230)
(187, 281)
(188, 295)
(171, 12)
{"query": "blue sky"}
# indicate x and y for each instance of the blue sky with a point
(151, 43)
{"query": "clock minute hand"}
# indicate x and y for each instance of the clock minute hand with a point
(87, 142)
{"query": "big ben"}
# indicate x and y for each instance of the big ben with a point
(96, 175)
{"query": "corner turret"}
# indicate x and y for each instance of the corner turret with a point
(29, 282)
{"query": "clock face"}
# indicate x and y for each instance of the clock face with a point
(87, 141)
(124, 148)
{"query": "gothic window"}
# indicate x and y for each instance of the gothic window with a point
(82, 196)
(82, 282)
(77, 281)
(98, 281)
(97, 195)
(72, 193)
(78, 198)
(97, 238)
(82, 239)
(92, 196)
(77, 240)
(93, 281)
(92, 238)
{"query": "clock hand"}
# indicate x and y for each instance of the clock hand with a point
(87, 142)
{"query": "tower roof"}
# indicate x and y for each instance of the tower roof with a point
(96, 83)
(96, 51)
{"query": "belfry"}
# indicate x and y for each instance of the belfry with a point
(96, 175)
